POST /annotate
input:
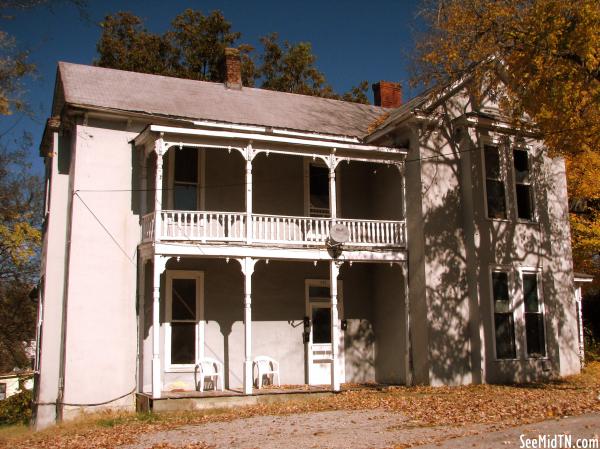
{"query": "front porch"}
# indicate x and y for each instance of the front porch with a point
(326, 322)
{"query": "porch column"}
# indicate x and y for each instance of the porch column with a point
(249, 193)
(247, 269)
(332, 192)
(141, 324)
(159, 266)
(334, 271)
(159, 149)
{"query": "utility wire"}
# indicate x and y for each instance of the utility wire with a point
(76, 193)
(273, 180)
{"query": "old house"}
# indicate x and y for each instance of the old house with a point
(416, 243)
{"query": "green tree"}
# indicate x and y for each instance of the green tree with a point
(192, 48)
(20, 239)
(291, 68)
(540, 59)
(125, 44)
(14, 67)
(201, 41)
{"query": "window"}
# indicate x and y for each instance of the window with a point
(2, 391)
(318, 190)
(503, 317)
(523, 190)
(534, 316)
(185, 179)
(184, 331)
(494, 183)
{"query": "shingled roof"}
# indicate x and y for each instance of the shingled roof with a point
(97, 87)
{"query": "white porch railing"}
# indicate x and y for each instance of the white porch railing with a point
(205, 226)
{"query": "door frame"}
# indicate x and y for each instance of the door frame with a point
(308, 360)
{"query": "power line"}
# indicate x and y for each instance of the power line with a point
(104, 228)
(272, 180)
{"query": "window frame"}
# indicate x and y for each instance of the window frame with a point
(306, 175)
(199, 322)
(201, 176)
(542, 310)
(528, 150)
(511, 306)
(501, 146)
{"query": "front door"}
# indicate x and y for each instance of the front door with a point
(318, 347)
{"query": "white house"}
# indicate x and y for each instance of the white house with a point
(13, 383)
(424, 243)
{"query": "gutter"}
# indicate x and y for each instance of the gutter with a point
(263, 138)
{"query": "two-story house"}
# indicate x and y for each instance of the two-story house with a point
(424, 243)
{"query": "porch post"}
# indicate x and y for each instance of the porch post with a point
(249, 193)
(141, 323)
(159, 148)
(332, 192)
(247, 269)
(334, 271)
(159, 266)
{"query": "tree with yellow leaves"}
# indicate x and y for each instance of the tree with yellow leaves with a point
(541, 60)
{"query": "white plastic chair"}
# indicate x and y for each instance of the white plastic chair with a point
(266, 366)
(208, 368)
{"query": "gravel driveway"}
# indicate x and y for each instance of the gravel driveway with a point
(361, 429)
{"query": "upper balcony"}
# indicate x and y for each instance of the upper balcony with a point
(283, 192)
(221, 227)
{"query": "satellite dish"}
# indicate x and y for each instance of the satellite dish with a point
(338, 234)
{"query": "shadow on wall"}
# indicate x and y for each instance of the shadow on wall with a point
(359, 343)
(461, 246)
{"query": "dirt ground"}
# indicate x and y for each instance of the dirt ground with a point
(358, 429)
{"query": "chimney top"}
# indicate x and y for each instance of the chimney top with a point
(233, 69)
(387, 94)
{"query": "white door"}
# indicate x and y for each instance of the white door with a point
(319, 348)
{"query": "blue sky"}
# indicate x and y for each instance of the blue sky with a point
(353, 40)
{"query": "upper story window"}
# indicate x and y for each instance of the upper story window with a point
(318, 186)
(504, 324)
(494, 183)
(534, 316)
(523, 189)
(185, 179)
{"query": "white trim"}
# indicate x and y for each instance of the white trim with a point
(326, 302)
(511, 307)
(540, 292)
(200, 322)
(200, 173)
(265, 129)
(267, 138)
(496, 142)
(306, 171)
(511, 158)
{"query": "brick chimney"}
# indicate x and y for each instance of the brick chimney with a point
(387, 94)
(233, 69)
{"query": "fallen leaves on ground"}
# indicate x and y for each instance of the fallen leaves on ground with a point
(497, 406)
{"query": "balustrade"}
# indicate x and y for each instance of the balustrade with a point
(203, 226)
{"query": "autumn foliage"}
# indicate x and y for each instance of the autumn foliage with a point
(495, 406)
(540, 59)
